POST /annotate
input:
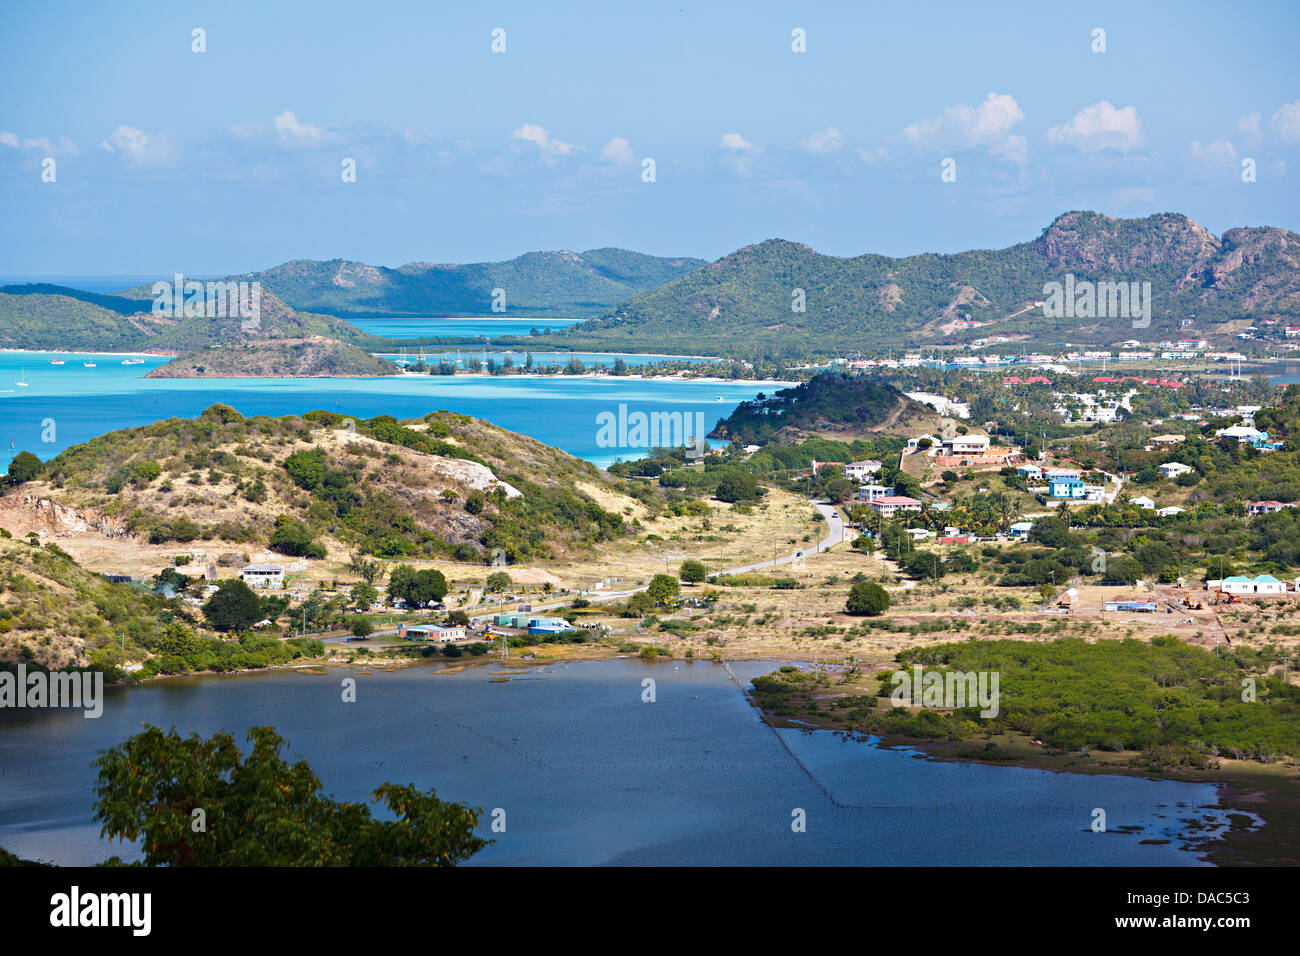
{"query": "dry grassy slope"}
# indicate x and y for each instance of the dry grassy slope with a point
(911, 419)
(211, 470)
(54, 611)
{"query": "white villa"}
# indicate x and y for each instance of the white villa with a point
(263, 575)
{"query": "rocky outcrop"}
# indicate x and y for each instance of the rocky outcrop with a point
(20, 515)
(472, 475)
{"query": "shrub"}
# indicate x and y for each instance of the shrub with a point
(866, 598)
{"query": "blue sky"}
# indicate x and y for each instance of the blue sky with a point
(167, 160)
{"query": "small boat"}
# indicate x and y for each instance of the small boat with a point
(22, 379)
(719, 399)
(132, 361)
(58, 362)
(88, 364)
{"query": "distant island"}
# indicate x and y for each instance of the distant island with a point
(312, 357)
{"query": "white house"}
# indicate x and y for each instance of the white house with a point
(1243, 433)
(1260, 584)
(872, 492)
(263, 575)
(1172, 469)
(859, 470)
(1170, 511)
(1142, 501)
(966, 445)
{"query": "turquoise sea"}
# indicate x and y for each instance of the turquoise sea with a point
(62, 405)
(489, 327)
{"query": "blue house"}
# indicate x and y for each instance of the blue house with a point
(1066, 487)
(549, 625)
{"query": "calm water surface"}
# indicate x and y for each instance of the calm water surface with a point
(587, 773)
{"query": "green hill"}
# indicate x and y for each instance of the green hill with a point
(535, 284)
(320, 484)
(742, 305)
(54, 318)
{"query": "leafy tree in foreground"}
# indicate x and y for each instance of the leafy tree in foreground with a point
(261, 811)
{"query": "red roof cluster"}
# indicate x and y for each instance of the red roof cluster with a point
(1031, 380)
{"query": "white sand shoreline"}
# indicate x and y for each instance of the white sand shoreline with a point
(57, 352)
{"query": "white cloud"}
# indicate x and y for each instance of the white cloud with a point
(1217, 155)
(1286, 121)
(987, 126)
(737, 142)
(619, 151)
(138, 147)
(1100, 126)
(829, 140)
(1249, 123)
(42, 144)
(290, 129)
(542, 139)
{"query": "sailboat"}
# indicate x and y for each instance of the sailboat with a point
(88, 364)
(57, 362)
(22, 379)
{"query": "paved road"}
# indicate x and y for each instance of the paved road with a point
(834, 536)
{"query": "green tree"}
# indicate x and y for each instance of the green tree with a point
(363, 595)
(663, 588)
(737, 487)
(867, 598)
(23, 468)
(235, 607)
(361, 627)
(261, 811)
(416, 587)
(693, 572)
(367, 569)
(293, 538)
(498, 581)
